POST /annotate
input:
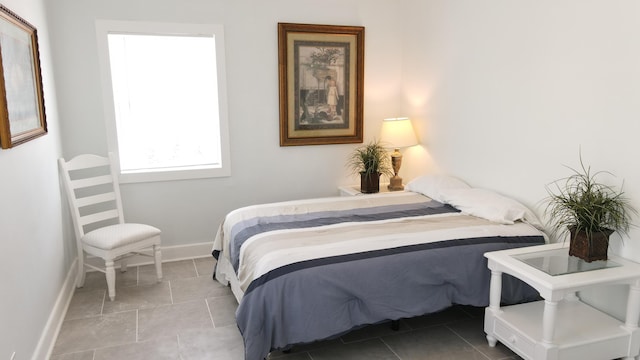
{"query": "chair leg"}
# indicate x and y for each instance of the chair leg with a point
(158, 261)
(81, 271)
(123, 265)
(111, 279)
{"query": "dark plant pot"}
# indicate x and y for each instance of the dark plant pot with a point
(369, 183)
(589, 249)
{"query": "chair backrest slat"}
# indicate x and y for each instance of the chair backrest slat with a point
(96, 199)
(98, 217)
(86, 161)
(91, 181)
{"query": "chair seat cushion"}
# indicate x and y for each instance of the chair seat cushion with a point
(113, 236)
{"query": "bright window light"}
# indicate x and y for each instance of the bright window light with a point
(167, 110)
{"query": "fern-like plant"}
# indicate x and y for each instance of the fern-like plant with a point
(369, 159)
(582, 204)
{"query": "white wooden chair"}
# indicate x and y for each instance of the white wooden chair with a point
(93, 192)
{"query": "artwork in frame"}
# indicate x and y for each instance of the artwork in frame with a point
(22, 116)
(321, 71)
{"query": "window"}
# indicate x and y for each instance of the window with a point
(165, 99)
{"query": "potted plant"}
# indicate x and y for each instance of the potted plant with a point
(370, 161)
(590, 210)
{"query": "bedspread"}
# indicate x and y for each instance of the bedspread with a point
(313, 269)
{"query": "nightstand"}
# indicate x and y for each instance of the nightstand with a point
(561, 327)
(353, 190)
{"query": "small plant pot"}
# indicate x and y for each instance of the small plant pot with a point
(589, 250)
(369, 183)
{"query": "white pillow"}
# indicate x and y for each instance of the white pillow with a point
(435, 186)
(491, 206)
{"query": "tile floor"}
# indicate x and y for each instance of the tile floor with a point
(190, 316)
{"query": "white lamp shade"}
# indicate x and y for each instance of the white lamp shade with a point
(398, 132)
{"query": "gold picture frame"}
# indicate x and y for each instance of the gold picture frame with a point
(321, 73)
(22, 116)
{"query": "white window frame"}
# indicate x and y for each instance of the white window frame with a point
(106, 27)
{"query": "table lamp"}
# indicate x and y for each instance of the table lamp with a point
(397, 133)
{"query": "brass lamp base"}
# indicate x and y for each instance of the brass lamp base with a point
(395, 183)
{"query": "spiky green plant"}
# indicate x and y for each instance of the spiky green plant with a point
(582, 203)
(369, 159)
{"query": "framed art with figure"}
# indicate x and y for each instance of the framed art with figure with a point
(321, 71)
(22, 115)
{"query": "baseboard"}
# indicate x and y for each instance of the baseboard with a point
(51, 329)
(54, 323)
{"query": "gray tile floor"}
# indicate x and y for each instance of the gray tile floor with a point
(190, 316)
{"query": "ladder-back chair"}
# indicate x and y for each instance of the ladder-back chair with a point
(93, 191)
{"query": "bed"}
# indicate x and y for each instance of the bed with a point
(313, 269)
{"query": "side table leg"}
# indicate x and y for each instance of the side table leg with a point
(549, 320)
(495, 291)
(633, 307)
(632, 317)
(495, 294)
(492, 341)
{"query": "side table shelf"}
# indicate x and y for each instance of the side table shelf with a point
(561, 327)
(520, 328)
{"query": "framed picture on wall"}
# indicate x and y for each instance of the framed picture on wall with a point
(22, 116)
(321, 71)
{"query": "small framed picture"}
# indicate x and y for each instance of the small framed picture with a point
(22, 115)
(321, 71)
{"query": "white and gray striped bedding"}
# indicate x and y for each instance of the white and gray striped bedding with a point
(311, 269)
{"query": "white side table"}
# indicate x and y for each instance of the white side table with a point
(561, 327)
(353, 190)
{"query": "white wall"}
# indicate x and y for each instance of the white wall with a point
(34, 256)
(262, 171)
(506, 93)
